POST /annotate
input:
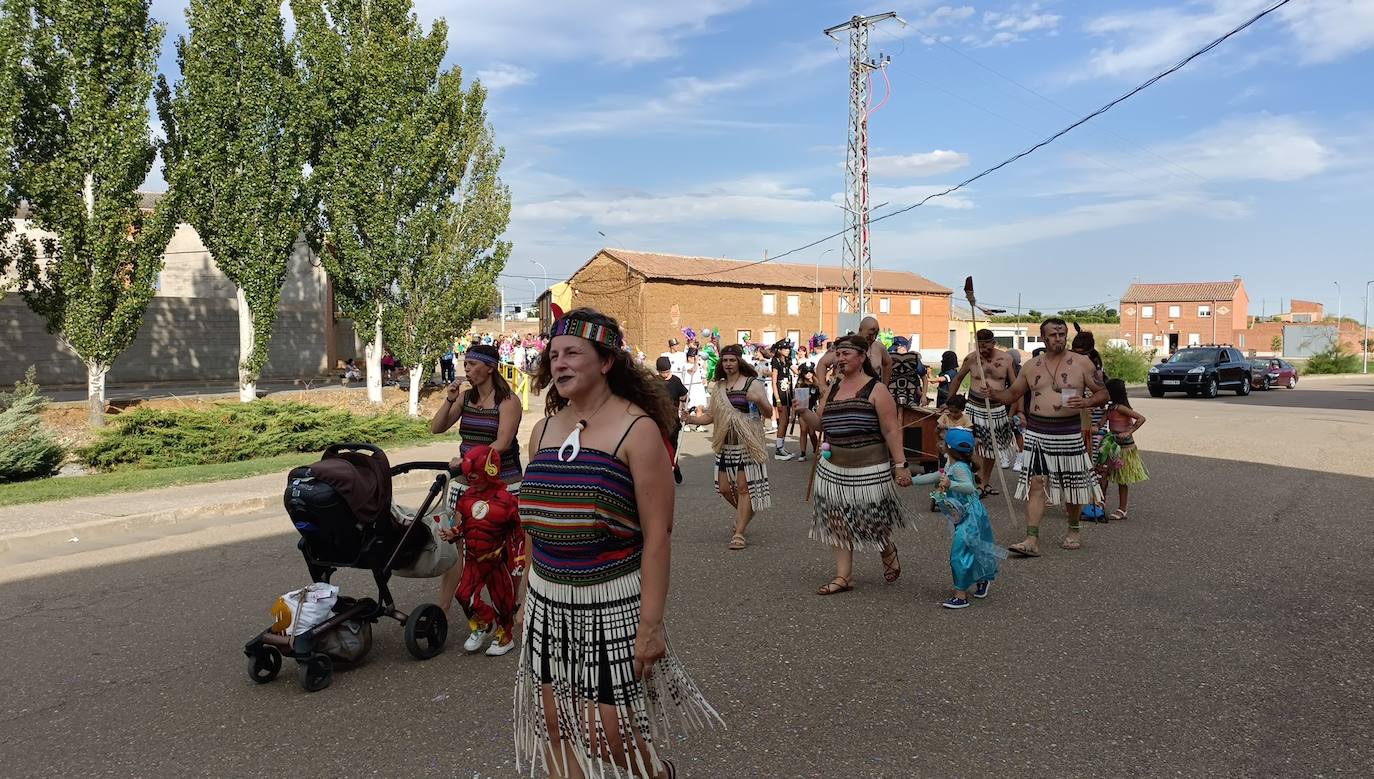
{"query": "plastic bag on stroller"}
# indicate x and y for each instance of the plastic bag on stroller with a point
(435, 555)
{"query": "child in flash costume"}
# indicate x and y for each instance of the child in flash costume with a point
(488, 516)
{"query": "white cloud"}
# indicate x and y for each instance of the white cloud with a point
(680, 105)
(918, 165)
(616, 31)
(1252, 148)
(1145, 41)
(503, 75)
(1021, 20)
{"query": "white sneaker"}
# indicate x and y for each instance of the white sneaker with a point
(782, 454)
(1005, 459)
(476, 639)
(1020, 456)
(496, 650)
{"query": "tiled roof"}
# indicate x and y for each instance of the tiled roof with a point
(710, 270)
(1201, 292)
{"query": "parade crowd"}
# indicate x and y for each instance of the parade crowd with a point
(574, 553)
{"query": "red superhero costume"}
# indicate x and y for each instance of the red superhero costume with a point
(488, 517)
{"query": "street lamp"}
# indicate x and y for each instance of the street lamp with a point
(546, 289)
(1364, 327)
(1338, 311)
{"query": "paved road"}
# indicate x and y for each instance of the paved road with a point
(1225, 630)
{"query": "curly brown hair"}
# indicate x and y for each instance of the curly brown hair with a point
(627, 379)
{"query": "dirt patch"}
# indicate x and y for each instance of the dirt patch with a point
(69, 423)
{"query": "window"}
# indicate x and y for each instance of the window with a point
(770, 303)
(1242, 339)
(915, 342)
(953, 338)
(1175, 312)
(1147, 340)
(795, 337)
(844, 305)
(1204, 311)
(1148, 312)
(793, 305)
(1194, 339)
(915, 306)
(770, 337)
(884, 305)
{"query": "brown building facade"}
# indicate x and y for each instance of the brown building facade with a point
(1167, 317)
(655, 296)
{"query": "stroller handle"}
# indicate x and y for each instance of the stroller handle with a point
(421, 465)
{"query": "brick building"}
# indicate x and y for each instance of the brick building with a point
(655, 296)
(1165, 317)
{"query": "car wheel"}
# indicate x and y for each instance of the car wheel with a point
(1292, 382)
(1156, 393)
(1245, 386)
(1211, 390)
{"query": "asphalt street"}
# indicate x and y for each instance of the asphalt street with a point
(1224, 630)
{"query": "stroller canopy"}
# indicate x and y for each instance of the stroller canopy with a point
(362, 480)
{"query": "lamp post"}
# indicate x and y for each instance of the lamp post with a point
(545, 271)
(1338, 311)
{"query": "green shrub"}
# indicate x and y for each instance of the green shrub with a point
(1334, 360)
(231, 432)
(1127, 364)
(27, 451)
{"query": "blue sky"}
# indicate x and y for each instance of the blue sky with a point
(717, 128)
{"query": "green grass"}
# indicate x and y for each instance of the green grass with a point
(136, 480)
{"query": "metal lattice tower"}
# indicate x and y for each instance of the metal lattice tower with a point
(857, 262)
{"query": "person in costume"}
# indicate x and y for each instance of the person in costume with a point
(487, 413)
(696, 383)
(973, 552)
(783, 377)
(1126, 468)
(855, 502)
(737, 438)
(711, 351)
(806, 380)
(597, 681)
(487, 516)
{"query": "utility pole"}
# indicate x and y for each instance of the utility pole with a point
(857, 262)
(1364, 328)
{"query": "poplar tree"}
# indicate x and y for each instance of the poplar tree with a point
(436, 299)
(14, 16)
(85, 147)
(390, 147)
(236, 150)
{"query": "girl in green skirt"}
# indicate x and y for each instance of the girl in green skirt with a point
(1127, 468)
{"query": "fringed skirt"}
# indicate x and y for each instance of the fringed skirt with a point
(993, 434)
(734, 459)
(1061, 457)
(855, 507)
(1132, 470)
(580, 640)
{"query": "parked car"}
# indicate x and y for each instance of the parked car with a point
(1273, 372)
(1202, 370)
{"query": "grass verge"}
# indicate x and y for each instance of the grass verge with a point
(135, 480)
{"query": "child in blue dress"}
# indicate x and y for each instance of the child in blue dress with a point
(973, 552)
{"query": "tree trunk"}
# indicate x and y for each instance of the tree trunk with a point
(95, 392)
(374, 362)
(248, 387)
(416, 376)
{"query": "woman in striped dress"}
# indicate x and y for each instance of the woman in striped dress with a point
(597, 682)
(737, 438)
(487, 413)
(855, 502)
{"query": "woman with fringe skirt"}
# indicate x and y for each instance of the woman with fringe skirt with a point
(737, 438)
(855, 501)
(598, 690)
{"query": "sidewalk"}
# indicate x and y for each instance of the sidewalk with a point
(61, 520)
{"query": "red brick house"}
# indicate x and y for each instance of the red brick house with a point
(1166, 317)
(656, 295)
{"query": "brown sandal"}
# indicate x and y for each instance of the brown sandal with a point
(892, 567)
(836, 585)
(737, 542)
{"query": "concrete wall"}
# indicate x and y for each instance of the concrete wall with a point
(189, 331)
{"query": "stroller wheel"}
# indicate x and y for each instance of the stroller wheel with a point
(316, 673)
(426, 631)
(264, 663)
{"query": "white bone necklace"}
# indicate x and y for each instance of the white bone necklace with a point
(572, 445)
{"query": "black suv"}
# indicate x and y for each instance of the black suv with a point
(1201, 370)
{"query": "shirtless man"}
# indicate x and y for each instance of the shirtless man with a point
(991, 430)
(877, 355)
(1057, 466)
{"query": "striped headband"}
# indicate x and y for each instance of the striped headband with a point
(481, 357)
(592, 331)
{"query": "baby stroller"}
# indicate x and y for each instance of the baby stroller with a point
(342, 508)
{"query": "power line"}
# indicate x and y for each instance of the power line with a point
(1032, 149)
